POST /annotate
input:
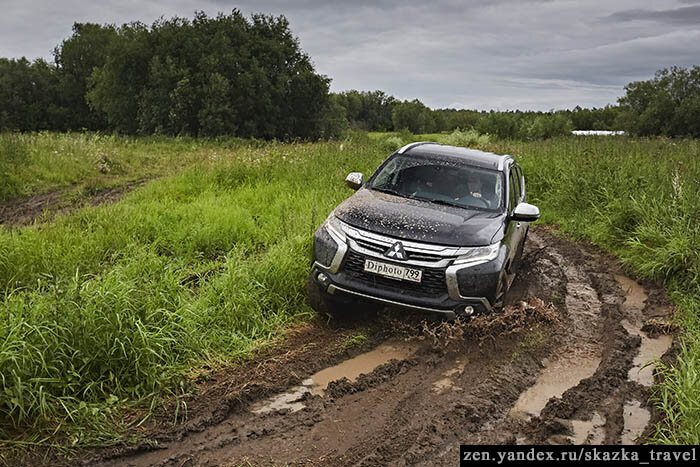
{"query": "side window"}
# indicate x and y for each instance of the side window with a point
(512, 192)
(515, 191)
(521, 182)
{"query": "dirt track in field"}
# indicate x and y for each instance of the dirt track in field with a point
(564, 363)
(48, 206)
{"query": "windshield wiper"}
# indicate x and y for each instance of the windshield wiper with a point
(421, 198)
(390, 191)
(439, 201)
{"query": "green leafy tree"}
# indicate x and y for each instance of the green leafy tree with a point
(114, 88)
(668, 104)
(413, 116)
(28, 96)
(217, 117)
(504, 125)
(76, 58)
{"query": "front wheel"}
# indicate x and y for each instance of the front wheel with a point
(501, 293)
(319, 301)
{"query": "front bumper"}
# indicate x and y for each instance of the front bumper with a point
(446, 288)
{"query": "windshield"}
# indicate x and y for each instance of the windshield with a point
(440, 181)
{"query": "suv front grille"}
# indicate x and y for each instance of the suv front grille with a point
(432, 282)
(412, 254)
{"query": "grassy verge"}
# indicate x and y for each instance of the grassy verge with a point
(111, 306)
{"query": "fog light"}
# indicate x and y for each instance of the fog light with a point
(322, 279)
(469, 310)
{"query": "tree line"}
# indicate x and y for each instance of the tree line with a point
(377, 111)
(226, 75)
(666, 105)
(230, 75)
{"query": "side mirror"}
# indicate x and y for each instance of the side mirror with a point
(525, 212)
(355, 180)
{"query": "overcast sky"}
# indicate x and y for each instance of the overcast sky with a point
(483, 54)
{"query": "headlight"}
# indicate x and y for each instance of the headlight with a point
(327, 240)
(333, 226)
(478, 255)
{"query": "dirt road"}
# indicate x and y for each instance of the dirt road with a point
(564, 363)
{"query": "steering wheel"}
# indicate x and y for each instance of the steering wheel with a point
(481, 202)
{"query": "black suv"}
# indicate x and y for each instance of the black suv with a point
(436, 228)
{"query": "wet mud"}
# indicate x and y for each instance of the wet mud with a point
(567, 362)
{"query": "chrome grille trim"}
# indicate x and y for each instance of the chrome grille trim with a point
(420, 254)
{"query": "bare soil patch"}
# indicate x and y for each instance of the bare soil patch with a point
(48, 206)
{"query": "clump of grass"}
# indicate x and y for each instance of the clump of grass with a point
(466, 138)
(14, 155)
(392, 143)
(354, 340)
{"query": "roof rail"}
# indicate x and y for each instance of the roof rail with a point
(413, 145)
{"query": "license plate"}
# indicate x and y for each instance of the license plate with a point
(393, 271)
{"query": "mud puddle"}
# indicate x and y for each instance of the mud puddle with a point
(588, 431)
(362, 364)
(552, 382)
(650, 350)
(636, 419)
(579, 357)
(448, 379)
(289, 401)
(316, 384)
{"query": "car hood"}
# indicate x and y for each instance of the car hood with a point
(419, 220)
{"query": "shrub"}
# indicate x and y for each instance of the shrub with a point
(467, 138)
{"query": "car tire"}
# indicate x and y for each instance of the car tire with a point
(501, 293)
(319, 301)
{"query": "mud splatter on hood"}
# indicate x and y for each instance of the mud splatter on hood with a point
(420, 220)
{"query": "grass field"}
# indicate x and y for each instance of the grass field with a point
(111, 308)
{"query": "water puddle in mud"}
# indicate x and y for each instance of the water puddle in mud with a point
(447, 382)
(553, 381)
(351, 369)
(577, 361)
(636, 419)
(362, 364)
(588, 431)
(291, 400)
(649, 349)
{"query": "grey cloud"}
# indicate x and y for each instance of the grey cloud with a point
(689, 15)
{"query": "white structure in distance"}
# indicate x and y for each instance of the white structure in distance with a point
(597, 132)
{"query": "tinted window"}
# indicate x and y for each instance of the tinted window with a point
(521, 179)
(512, 192)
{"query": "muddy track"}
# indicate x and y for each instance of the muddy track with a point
(48, 206)
(564, 363)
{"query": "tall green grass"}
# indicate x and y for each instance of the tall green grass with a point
(117, 303)
(41, 162)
